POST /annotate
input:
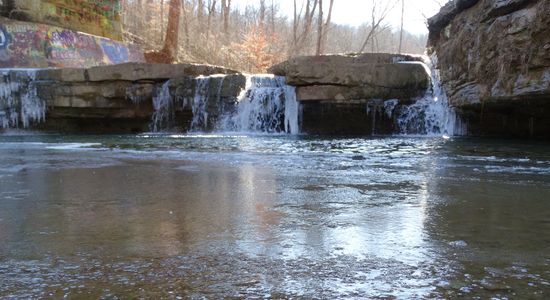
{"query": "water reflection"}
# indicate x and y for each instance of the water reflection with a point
(272, 217)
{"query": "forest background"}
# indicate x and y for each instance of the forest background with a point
(258, 35)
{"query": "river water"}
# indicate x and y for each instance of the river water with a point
(191, 216)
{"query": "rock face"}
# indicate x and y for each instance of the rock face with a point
(101, 18)
(110, 99)
(494, 61)
(348, 94)
(36, 45)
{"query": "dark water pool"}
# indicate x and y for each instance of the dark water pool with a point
(190, 216)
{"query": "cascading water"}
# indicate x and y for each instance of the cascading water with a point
(266, 105)
(431, 114)
(19, 102)
(203, 98)
(163, 115)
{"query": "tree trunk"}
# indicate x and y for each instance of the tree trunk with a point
(226, 11)
(211, 10)
(320, 20)
(185, 23)
(272, 18)
(262, 15)
(170, 50)
(200, 11)
(162, 29)
(327, 27)
(401, 31)
(295, 24)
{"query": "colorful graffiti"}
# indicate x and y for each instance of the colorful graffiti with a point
(97, 17)
(31, 45)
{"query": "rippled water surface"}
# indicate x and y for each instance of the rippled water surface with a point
(190, 216)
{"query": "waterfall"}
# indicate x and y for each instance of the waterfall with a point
(229, 103)
(266, 105)
(430, 114)
(19, 102)
(163, 105)
(208, 92)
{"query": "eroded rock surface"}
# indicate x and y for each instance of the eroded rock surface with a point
(494, 58)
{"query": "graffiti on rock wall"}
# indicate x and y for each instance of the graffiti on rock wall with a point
(37, 45)
(97, 17)
(3, 37)
(115, 51)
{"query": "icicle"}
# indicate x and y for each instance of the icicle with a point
(292, 125)
(19, 101)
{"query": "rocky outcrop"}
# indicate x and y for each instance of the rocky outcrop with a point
(36, 45)
(93, 17)
(113, 99)
(350, 94)
(494, 62)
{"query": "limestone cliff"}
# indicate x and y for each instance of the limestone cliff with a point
(494, 59)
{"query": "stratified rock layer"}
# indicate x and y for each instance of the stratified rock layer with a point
(348, 94)
(494, 59)
(110, 99)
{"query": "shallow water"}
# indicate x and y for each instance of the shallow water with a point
(190, 216)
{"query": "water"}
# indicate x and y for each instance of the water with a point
(266, 105)
(163, 105)
(432, 113)
(214, 216)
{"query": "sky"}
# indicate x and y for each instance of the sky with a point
(356, 12)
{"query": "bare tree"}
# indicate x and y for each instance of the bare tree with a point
(320, 19)
(211, 11)
(379, 12)
(200, 11)
(323, 29)
(170, 50)
(235, 39)
(226, 12)
(401, 30)
(262, 14)
(186, 22)
(302, 37)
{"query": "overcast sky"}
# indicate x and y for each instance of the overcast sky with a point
(356, 12)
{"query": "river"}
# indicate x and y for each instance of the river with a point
(277, 216)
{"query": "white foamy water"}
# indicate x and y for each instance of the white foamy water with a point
(432, 113)
(163, 106)
(266, 105)
(202, 99)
